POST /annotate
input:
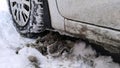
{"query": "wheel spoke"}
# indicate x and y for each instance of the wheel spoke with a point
(14, 11)
(22, 20)
(17, 16)
(12, 0)
(24, 16)
(25, 11)
(26, 2)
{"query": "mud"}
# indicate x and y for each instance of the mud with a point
(55, 45)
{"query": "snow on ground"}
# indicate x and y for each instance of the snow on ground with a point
(10, 40)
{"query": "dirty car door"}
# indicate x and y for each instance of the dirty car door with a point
(104, 13)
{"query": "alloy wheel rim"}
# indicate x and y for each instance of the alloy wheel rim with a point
(20, 11)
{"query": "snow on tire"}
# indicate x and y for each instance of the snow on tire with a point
(27, 16)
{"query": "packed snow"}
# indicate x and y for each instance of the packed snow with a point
(10, 41)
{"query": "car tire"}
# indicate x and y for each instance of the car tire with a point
(30, 16)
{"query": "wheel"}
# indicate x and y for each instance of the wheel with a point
(30, 16)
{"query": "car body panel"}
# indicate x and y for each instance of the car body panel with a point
(57, 21)
(98, 21)
(104, 13)
(110, 38)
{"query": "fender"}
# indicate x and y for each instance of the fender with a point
(57, 20)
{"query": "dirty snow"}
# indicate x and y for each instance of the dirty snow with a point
(10, 40)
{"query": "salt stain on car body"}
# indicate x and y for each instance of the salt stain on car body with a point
(110, 38)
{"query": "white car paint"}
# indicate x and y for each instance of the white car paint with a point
(98, 12)
(95, 20)
(56, 19)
